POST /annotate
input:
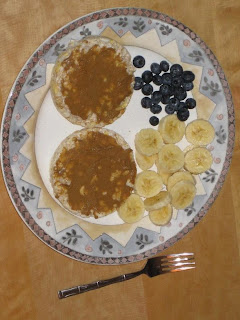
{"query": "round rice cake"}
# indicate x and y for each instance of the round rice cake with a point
(92, 172)
(92, 81)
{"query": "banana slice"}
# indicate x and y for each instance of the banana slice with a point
(164, 175)
(145, 162)
(132, 210)
(161, 216)
(162, 199)
(179, 176)
(148, 142)
(198, 160)
(182, 194)
(171, 129)
(200, 132)
(148, 184)
(170, 158)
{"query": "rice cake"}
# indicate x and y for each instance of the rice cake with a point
(92, 172)
(92, 81)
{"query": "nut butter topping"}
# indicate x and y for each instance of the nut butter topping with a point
(96, 82)
(98, 173)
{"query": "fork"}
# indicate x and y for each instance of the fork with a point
(153, 267)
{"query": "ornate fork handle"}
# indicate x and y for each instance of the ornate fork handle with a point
(96, 285)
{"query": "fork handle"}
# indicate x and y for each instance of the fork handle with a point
(96, 285)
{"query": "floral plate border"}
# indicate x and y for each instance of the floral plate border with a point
(39, 53)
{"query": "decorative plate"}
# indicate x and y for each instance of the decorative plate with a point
(32, 129)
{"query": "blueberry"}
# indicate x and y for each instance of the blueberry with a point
(167, 79)
(180, 93)
(147, 76)
(188, 76)
(164, 65)
(182, 105)
(138, 83)
(169, 109)
(155, 108)
(183, 114)
(188, 86)
(177, 82)
(165, 89)
(157, 79)
(147, 89)
(176, 70)
(139, 62)
(165, 99)
(190, 103)
(155, 68)
(174, 102)
(156, 97)
(171, 88)
(146, 102)
(154, 121)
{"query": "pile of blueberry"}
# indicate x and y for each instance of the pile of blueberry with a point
(173, 86)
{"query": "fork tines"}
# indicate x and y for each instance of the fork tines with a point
(177, 262)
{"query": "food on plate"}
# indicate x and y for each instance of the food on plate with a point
(162, 199)
(164, 175)
(148, 184)
(132, 209)
(182, 193)
(148, 142)
(93, 172)
(92, 81)
(139, 62)
(154, 121)
(162, 216)
(171, 129)
(198, 160)
(179, 176)
(170, 158)
(175, 168)
(144, 162)
(173, 86)
(200, 132)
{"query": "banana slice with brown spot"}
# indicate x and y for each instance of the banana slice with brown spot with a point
(162, 216)
(148, 184)
(162, 199)
(170, 158)
(148, 142)
(145, 162)
(171, 129)
(179, 176)
(182, 194)
(132, 210)
(198, 160)
(200, 132)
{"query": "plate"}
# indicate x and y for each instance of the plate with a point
(32, 129)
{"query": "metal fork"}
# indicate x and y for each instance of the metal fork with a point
(153, 267)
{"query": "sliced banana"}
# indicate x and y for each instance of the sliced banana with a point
(148, 142)
(182, 194)
(179, 176)
(198, 160)
(161, 216)
(162, 199)
(164, 175)
(145, 162)
(170, 158)
(148, 184)
(200, 132)
(171, 129)
(132, 210)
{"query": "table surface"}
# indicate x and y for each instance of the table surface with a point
(31, 273)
